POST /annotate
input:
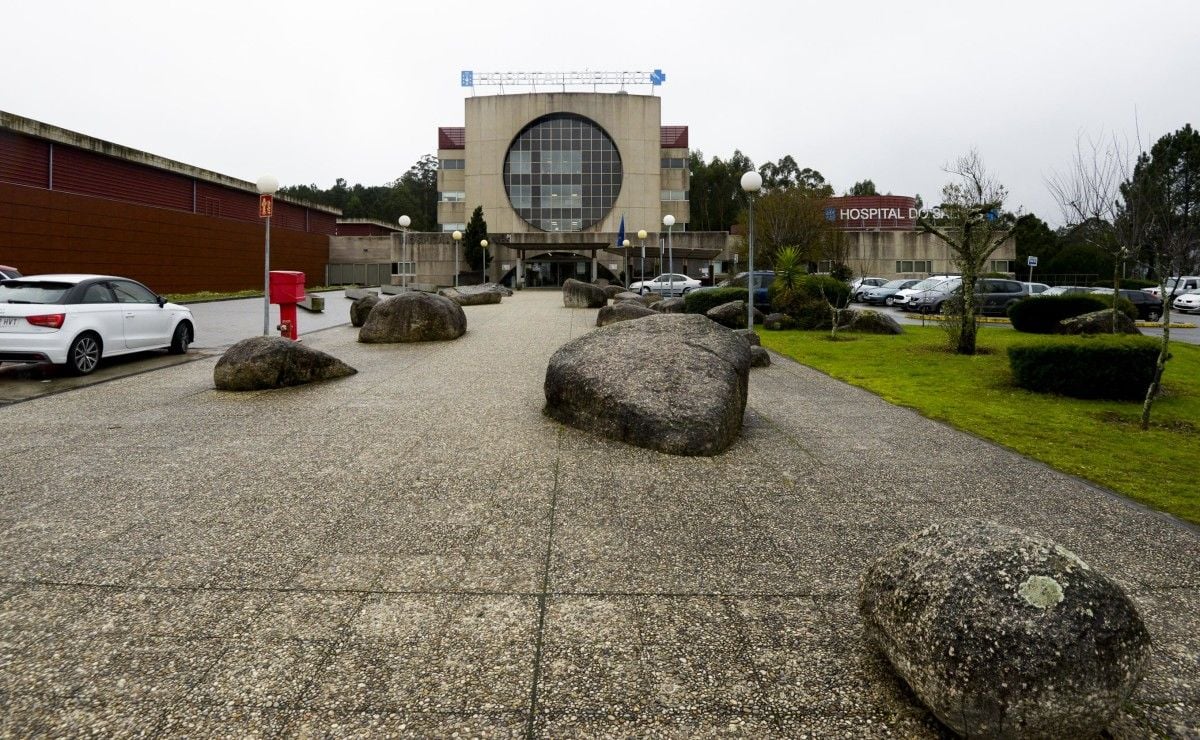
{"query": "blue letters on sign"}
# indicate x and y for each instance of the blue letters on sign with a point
(657, 77)
(831, 214)
(468, 78)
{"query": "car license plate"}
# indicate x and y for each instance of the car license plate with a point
(9, 320)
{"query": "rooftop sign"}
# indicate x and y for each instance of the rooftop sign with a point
(561, 80)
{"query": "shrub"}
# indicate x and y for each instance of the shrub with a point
(700, 301)
(1117, 367)
(808, 302)
(1126, 284)
(1041, 314)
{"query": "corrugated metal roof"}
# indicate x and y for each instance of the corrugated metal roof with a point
(673, 137)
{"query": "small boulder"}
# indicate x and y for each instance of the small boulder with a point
(1002, 634)
(670, 305)
(472, 295)
(652, 298)
(622, 311)
(749, 336)
(759, 357)
(778, 321)
(361, 308)
(612, 291)
(867, 321)
(626, 295)
(262, 363)
(675, 383)
(578, 294)
(1098, 322)
(732, 314)
(500, 288)
(414, 317)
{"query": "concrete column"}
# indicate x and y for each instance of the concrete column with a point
(593, 267)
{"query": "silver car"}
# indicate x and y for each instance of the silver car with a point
(667, 284)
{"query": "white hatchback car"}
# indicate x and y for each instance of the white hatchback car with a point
(1188, 302)
(75, 320)
(667, 284)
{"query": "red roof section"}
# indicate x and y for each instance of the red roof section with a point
(673, 137)
(452, 137)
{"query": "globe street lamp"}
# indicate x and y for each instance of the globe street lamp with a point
(457, 236)
(404, 222)
(642, 236)
(669, 221)
(751, 183)
(483, 256)
(625, 244)
(267, 185)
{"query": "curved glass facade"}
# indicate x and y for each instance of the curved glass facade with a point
(562, 173)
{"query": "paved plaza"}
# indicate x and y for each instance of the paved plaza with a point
(417, 551)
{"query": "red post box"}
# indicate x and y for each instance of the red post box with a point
(287, 289)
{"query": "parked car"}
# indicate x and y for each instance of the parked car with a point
(1189, 302)
(992, 296)
(7, 272)
(901, 297)
(1065, 290)
(667, 284)
(762, 281)
(1149, 308)
(1176, 285)
(76, 320)
(1035, 288)
(885, 293)
(859, 287)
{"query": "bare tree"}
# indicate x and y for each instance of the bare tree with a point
(1090, 196)
(971, 222)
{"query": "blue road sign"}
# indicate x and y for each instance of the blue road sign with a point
(657, 77)
(468, 78)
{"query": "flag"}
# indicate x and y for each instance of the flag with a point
(621, 233)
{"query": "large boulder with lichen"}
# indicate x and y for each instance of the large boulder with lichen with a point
(361, 308)
(612, 291)
(778, 321)
(670, 305)
(414, 317)
(1003, 634)
(473, 295)
(867, 321)
(263, 363)
(1098, 322)
(578, 294)
(622, 311)
(675, 383)
(733, 314)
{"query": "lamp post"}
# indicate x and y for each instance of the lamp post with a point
(483, 256)
(669, 221)
(267, 185)
(642, 272)
(457, 236)
(404, 222)
(751, 183)
(625, 244)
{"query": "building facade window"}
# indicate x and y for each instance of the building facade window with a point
(562, 173)
(914, 266)
(673, 163)
(452, 164)
(452, 196)
(453, 227)
(1000, 266)
(674, 195)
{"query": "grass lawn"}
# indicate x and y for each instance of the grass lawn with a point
(1097, 440)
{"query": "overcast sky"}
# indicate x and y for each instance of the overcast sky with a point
(890, 91)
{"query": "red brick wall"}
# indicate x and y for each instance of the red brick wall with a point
(171, 252)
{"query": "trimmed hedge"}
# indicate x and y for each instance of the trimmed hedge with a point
(1040, 314)
(1119, 367)
(700, 301)
(1127, 284)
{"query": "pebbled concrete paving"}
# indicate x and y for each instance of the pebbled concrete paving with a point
(417, 551)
